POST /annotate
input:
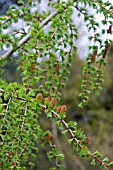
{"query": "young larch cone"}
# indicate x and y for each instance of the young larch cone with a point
(63, 109)
(27, 88)
(39, 97)
(53, 102)
(14, 164)
(57, 67)
(47, 99)
(59, 109)
(9, 154)
(33, 67)
(49, 137)
(87, 140)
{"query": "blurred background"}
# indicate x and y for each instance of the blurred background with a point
(96, 119)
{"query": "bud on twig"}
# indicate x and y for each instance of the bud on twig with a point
(57, 67)
(49, 137)
(53, 102)
(33, 67)
(87, 140)
(9, 154)
(85, 144)
(47, 99)
(14, 164)
(39, 97)
(63, 109)
(59, 109)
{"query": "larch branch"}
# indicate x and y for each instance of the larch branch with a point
(27, 37)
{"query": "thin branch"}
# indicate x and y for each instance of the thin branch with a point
(19, 98)
(75, 139)
(27, 37)
(23, 121)
(1, 90)
(104, 7)
(6, 111)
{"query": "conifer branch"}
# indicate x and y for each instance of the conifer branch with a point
(27, 37)
(75, 139)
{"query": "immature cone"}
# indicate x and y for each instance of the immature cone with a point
(87, 140)
(53, 102)
(14, 164)
(63, 109)
(9, 154)
(49, 137)
(85, 145)
(39, 97)
(33, 67)
(59, 109)
(47, 99)
(57, 67)
(27, 88)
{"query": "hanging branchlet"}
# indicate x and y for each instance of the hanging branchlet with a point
(22, 133)
(54, 153)
(93, 70)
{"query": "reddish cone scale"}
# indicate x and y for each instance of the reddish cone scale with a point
(39, 96)
(57, 67)
(9, 154)
(87, 140)
(33, 67)
(49, 137)
(63, 109)
(53, 102)
(59, 109)
(47, 99)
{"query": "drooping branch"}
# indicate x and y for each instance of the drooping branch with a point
(76, 140)
(67, 127)
(27, 37)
